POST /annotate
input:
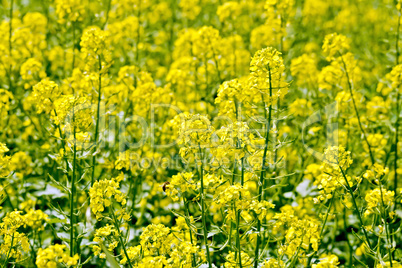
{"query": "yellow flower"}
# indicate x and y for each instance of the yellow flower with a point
(54, 255)
(387, 264)
(229, 9)
(272, 263)
(6, 98)
(133, 254)
(378, 198)
(9, 227)
(330, 261)
(95, 44)
(300, 107)
(304, 68)
(31, 71)
(335, 44)
(180, 184)
(45, 94)
(4, 161)
(232, 260)
(267, 70)
(21, 163)
(72, 10)
(107, 236)
(190, 8)
(36, 219)
(337, 157)
(155, 238)
(103, 193)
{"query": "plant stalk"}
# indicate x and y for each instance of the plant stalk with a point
(261, 182)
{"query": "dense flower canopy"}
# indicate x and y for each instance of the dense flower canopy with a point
(200, 133)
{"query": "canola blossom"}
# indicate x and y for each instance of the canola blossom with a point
(200, 133)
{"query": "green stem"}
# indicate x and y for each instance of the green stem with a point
(63, 143)
(347, 239)
(238, 215)
(294, 257)
(396, 144)
(135, 193)
(117, 226)
(107, 13)
(238, 237)
(397, 38)
(261, 182)
(216, 62)
(323, 225)
(73, 190)
(397, 110)
(327, 214)
(10, 44)
(356, 207)
(203, 216)
(32, 247)
(186, 207)
(97, 121)
(9, 251)
(383, 215)
(231, 222)
(137, 55)
(357, 112)
(73, 64)
(9, 198)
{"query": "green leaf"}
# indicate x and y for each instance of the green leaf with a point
(213, 232)
(51, 191)
(110, 258)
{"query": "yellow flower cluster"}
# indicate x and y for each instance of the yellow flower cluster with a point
(103, 193)
(335, 45)
(14, 243)
(376, 172)
(237, 96)
(239, 198)
(103, 234)
(195, 134)
(45, 93)
(162, 133)
(235, 141)
(133, 254)
(4, 161)
(54, 255)
(267, 70)
(332, 173)
(272, 263)
(6, 98)
(69, 10)
(378, 198)
(337, 158)
(180, 184)
(392, 81)
(304, 69)
(155, 239)
(36, 219)
(95, 44)
(160, 245)
(301, 234)
(31, 71)
(72, 112)
(388, 264)
(330, 261)
(231, 260)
